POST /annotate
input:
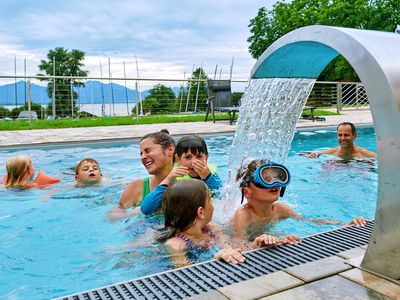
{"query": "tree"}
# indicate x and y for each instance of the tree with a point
(269, 25)
(161, 99)
(67, 63)
(197, 87)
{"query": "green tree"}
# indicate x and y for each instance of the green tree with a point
(67, 63)
(269, 25)
(4, 112)
(161, 99)
(197, 86)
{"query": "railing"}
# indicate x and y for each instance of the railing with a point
(92, 96)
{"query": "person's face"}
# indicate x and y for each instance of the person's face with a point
(187, 159)
(269, 195)
(153, 156)
(345, 136)
(89, 172)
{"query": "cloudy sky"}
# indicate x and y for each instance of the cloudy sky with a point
(167, 37)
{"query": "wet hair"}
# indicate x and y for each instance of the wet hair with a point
(88, 159)
(191, 143)
(17, 167)
(353, 128)
(161, 137)
(245, 172)
(181, 201)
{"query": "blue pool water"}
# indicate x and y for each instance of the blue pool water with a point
(58, 241)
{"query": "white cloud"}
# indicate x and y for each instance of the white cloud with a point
(168, 37)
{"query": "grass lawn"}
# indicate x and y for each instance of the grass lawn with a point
(113, 121)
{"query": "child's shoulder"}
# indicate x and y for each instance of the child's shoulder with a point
(176, 244)
(284, 210)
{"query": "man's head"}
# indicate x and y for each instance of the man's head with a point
(346, 134)
(88, 170)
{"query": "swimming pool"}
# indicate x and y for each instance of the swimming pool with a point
(57, 241)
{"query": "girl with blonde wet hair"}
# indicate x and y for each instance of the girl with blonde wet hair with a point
(20, 171)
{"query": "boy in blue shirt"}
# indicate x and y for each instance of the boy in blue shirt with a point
(191, 156)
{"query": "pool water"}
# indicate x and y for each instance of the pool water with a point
(57, 241)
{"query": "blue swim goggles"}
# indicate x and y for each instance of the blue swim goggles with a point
(269, 175)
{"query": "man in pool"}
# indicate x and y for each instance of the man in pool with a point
(346, 134)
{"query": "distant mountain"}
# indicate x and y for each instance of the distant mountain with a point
(93, 92)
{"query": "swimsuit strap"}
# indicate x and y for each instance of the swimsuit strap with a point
(188, 242)
(146, 187)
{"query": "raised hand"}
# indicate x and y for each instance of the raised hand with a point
(201, 168)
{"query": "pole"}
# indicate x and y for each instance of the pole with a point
(215, 72)
(72, 99)
(137, 107)
(25, 82)
(15, 82)
(138, 88)
(103, 107)
(187, 99)
(126, 92)
(29, 102)
(198, 87)
(111, 87)
(230, 75)
(54, 89)
(183, 82)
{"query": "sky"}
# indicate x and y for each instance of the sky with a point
(167, 37)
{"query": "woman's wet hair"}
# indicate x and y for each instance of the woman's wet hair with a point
(161, 137)
(245, 172)
(16, 169)
(181, 201)
(191, 143)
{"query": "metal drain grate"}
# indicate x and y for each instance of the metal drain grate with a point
(203, 277)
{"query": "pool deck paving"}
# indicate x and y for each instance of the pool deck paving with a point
(18, 138)
(337, 277)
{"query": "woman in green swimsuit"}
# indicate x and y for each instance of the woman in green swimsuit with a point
(157, 156)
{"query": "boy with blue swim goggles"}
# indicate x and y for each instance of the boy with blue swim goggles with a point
(267, 175)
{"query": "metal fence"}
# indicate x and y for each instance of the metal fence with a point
(86, 97)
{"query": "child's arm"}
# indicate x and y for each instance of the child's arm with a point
(241, 221)
(213, 181)
(176, 248)
(153, 201)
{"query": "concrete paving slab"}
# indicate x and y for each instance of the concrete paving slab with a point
(318, 269)
(335, 287)
(260, 286)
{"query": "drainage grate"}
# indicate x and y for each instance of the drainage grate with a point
(203, 277)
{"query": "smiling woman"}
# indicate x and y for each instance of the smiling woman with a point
(157, 156)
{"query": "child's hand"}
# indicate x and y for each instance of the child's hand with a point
(359, 221)
(267, 240)
(230, 255)
(175, 173)
(201, 168)
(311, 154)
(292, 239)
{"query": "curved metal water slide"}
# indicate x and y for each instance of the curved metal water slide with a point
(375, 56)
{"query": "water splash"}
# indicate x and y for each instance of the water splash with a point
(268, 115)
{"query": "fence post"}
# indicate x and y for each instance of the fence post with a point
(72, 99)
(54, 88)
(29, 102)
(338, 97)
